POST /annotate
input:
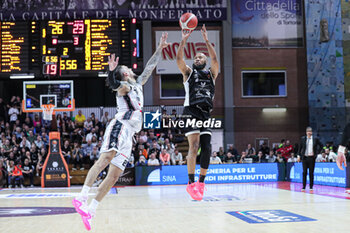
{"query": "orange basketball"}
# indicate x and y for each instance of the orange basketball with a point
(188, 21)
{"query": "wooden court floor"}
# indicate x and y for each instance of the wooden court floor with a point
(168, 209)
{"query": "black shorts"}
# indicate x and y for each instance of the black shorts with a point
(196, 113)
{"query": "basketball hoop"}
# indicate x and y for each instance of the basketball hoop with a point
(47, 111)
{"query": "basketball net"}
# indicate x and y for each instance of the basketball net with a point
(47, 111)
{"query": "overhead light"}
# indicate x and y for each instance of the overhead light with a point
(274, 110)
(102, 74)
(22, 76)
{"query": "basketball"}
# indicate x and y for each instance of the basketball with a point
(188, 21)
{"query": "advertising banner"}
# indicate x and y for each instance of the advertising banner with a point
(325, 174)
(105, 9)
(128, 177)
(55, 171)
(267, 23)
(223, 173)
(195, 44)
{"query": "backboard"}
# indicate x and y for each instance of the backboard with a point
(58, 93)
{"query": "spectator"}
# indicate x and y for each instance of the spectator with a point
(153, 161)
(95, 154)
(18, 132)
(264, 149)
(14, 172)
(59, 121)
(88, 125)
(77, 156)
(39, 165)
(7, 147)
(332, 157)
(233, 151)
(15, 141)
(229, 158)
(329, 145)
(66, 151)
(221, 153)
(142, 161)
(286, 148)
(13, 113)
(105, 119)
(28, 171)
(250, 151)
(25, 143)
(279, 158)
(271, 158)
(39, 142)
(87, 149)
(31, 137)
(143, 137)
(176, 158)
(214, 159)
(322, 157)
(91, 134)
(164, 157)
(261, 157)
(292, 158)
(155, 147)
(79, 120)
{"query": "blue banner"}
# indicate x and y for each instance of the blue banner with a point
(267, 23)
(325, 174)
(225, 173)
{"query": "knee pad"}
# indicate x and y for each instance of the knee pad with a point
(205, 150)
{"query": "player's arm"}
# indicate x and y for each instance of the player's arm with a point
(153, 61)
(341, 159)
(212, 54)
(185, 70)
(122, 87)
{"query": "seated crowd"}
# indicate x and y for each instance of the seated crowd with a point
(24, 142)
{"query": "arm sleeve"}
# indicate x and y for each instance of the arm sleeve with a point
(112, 82)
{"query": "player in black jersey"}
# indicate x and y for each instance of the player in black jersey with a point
(199, 87)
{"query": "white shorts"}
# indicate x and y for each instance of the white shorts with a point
(118, 137)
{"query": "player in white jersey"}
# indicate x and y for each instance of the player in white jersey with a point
(117, 144)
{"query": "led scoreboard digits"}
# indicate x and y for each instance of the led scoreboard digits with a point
(70, 47)
(67, 48)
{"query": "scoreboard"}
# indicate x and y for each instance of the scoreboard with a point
(67, 48)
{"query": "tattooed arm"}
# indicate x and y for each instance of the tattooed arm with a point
(153, 61)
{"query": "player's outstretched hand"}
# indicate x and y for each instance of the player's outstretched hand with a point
(204, 33)
(113, 62)
(185, 34)
(163, 44)
(340, 160)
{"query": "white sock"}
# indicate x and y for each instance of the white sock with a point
(93, 206)
(85, 191)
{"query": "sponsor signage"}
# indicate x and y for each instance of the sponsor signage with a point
(195, 44)
(55, 171)
(127, 178)
(267, 23)
(84, 9)
(33, 211)
(225, 173)
(269, 216)
(325, 174)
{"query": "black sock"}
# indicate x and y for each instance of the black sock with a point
(201, 178)
(190, 178)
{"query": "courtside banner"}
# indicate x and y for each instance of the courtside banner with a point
(128, 177)
(225, 173)
(325, 174)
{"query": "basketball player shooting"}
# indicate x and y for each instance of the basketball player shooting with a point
(199, 88)
(117, 142)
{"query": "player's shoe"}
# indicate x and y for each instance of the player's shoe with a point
(87, 220)
(80, 205)
(200, 187)
(193, 191)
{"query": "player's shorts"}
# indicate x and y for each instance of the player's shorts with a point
(198, 114)
(118, 137)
